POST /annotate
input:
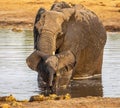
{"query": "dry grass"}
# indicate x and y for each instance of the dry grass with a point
(24, 11)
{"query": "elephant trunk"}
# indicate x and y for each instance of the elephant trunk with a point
(47, 46)
(47, 42)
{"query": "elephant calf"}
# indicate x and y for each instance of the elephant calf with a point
(54, 70)
(69, 38)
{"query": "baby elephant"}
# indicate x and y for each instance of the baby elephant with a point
(58, 69)
(62, 66)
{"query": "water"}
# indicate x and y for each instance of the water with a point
(111, 66)
(17, 79)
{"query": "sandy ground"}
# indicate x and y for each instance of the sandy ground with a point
(21, 13)
(88, 102)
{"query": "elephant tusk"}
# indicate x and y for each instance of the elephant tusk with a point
(53, 53)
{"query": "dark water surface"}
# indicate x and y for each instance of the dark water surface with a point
(17, 79)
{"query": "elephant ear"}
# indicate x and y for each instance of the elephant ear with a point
(35, 30)
(68, 13)
(34, 59)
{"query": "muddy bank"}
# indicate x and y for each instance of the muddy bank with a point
(24, 25)
(88, 102)
(21, 14)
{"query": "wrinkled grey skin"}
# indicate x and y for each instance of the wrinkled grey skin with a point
(74, 29)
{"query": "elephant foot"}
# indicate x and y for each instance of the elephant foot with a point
(47, 91)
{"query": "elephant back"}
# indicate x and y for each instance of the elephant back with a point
(89, 54)
(85, 37)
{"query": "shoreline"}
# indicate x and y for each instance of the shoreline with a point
(82, 102)
(29, 26)
(21, 14)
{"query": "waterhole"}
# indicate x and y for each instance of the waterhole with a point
(17, 79)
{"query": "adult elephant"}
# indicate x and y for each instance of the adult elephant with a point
(77, 32)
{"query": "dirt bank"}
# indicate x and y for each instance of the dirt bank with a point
(21, 13)
(88, 102)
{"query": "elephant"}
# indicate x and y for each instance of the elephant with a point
(52, 70)
(62, 31)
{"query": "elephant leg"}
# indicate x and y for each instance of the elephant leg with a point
(63, 77)
(99, 64)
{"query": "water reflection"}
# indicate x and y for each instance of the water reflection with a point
(92, 87)
(83, 88)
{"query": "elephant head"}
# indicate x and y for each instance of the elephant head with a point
(55, 71)
(62, 65)
(51, 26)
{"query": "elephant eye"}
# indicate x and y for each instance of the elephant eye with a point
(58, 6)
